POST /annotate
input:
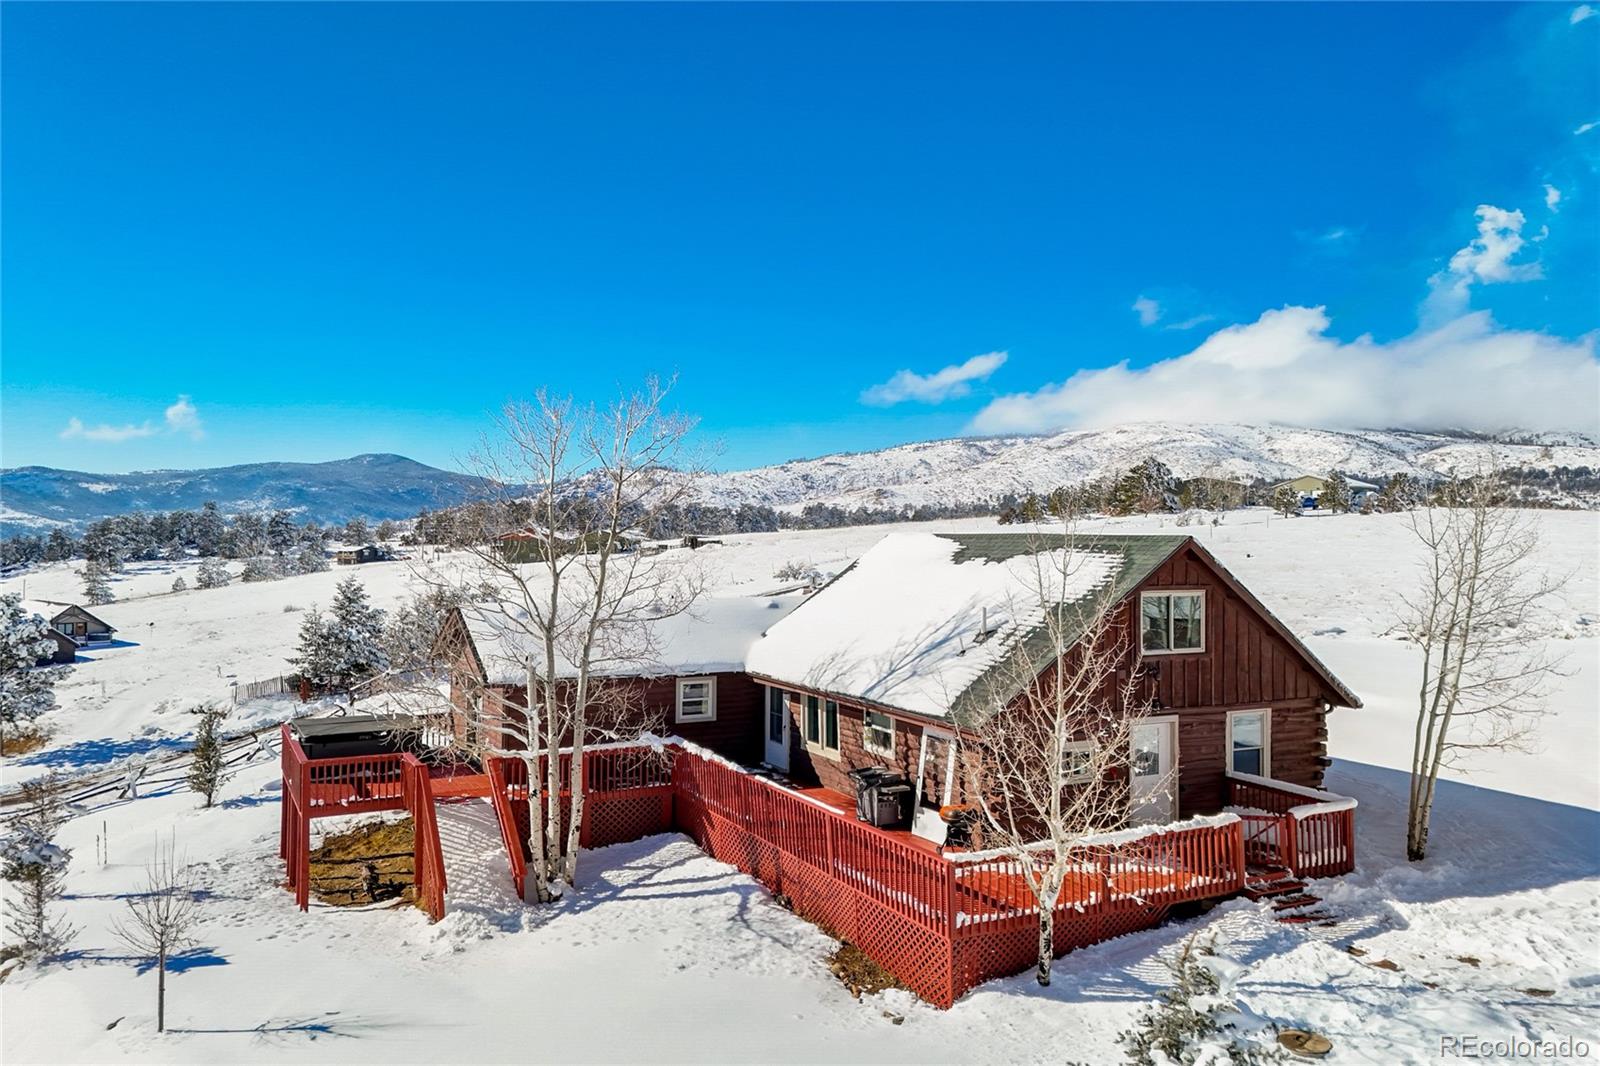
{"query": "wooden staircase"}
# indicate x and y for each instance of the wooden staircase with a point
(1286, 892)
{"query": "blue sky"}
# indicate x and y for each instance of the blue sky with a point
(247, 232)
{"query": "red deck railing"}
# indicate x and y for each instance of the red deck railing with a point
(1304, 830)
(942, 923)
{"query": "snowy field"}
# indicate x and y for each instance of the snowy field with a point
(666, 955)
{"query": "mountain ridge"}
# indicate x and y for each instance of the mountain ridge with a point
(379, 485)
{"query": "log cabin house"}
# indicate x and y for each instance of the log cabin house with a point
(776, 698)
(888, 663)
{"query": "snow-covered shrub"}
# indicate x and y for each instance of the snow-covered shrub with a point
(795, 570)
(212, 574)
(1195, 1021)
(259, 568)
(179, 584)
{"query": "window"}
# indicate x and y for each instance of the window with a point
(1172, 622)
(1250, 742)
(822, 724)
(1077, 758)
(877, 734)
(777, 712)
(697, 699)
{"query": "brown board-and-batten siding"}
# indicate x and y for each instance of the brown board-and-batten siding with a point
(1245, 665)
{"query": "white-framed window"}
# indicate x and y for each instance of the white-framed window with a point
(822, 724)
(697, 699)
(1172, 622)
(1250, 742)
(877, 733)
(1077, 762)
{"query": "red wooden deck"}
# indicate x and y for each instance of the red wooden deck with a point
(846, 805)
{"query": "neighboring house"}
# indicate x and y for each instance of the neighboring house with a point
(1309, 488)
(367, 553)
(82, 627)
(66, 649)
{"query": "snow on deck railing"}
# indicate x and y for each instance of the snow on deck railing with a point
(1323, 802)
(1111, 839)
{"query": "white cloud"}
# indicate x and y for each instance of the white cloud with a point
(1585, 128)
(1552, 197)
(106, 433)
(181, 417)
(1579, 13)
(941, 385)
(1284, 368)
(1486, 260)
(1148, 310)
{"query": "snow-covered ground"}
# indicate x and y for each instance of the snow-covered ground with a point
(667, 955)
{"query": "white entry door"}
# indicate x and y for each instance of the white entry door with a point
(777, 729)
(1153, 771)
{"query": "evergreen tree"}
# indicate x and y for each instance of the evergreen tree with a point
(59, 547)
(31, 860)
(212, 574)
(27, 690)
(206, 769)
(96, 589)
(387, 530)
(355, 531)
(1285, 501)
(1144, 489)
(347, 646)
(1335, 494)
(1400, 493)
(179, 584)
(259, 568)
(209, 530)
(311, 559)
(282, 536)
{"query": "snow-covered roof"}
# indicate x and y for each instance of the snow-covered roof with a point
(713, 636)
(923, 621)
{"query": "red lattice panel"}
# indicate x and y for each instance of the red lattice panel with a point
(620, 817)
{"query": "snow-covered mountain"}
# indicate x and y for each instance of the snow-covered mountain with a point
(372, 486)
(980, 468)
(962, 470)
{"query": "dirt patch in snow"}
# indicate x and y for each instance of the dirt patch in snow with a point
(339, 868)
(25, 739)
(858, 973)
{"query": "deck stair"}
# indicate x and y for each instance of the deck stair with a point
(1286, 892)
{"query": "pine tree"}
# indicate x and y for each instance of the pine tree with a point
(206, 768)
(27, 689)
(312, 560)
(355, 531)
(1335, 494)
(1399, 494)
(1284, 501)
(259, 568)
(1145, 488)
(179, 584)
(209, 530)
(313, 657)
(96, 589)
(31, 860)
(1195, 1020)
(212, 574)
(355, 635)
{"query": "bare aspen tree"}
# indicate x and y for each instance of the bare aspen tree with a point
(1045, 761)
(552, 570)
(1485, 669)
(160, 921)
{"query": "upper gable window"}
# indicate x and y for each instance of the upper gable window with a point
(1172, 622)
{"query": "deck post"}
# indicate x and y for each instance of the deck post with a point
(1291, 843)
(1236, 833)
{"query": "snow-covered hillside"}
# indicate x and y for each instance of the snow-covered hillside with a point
(666, 955)
(982, 468)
